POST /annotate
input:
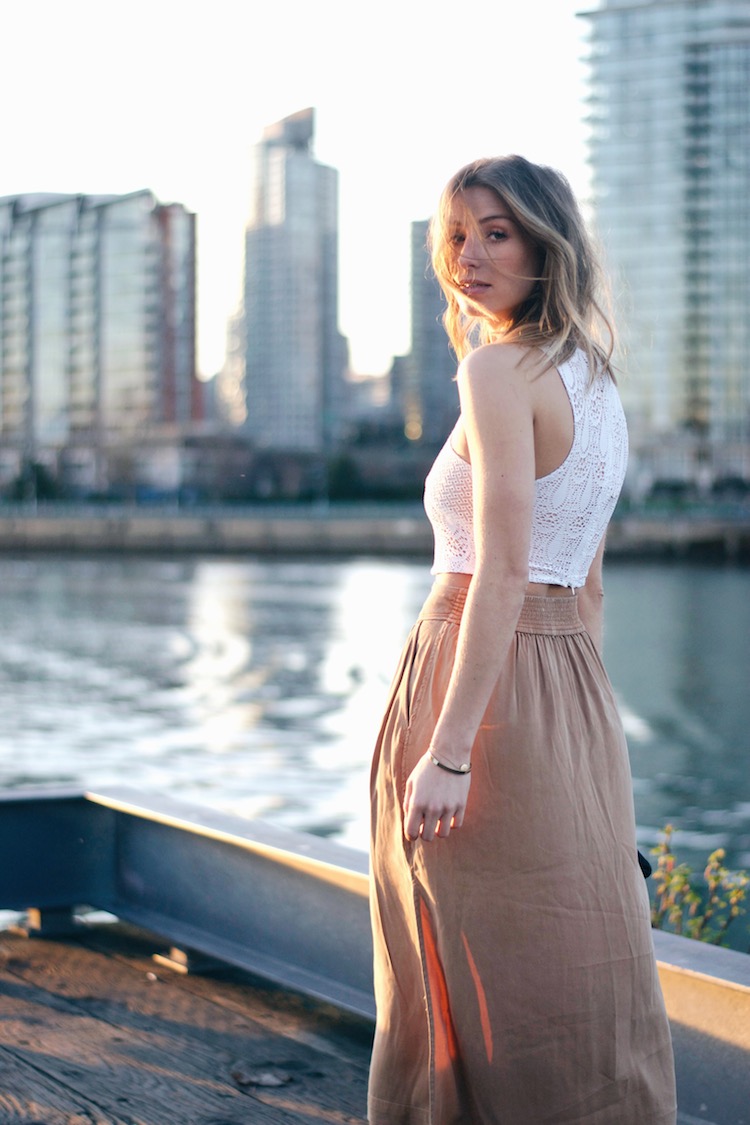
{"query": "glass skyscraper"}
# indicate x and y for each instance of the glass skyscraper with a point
(97, 329)
(670, 149)
(293, 385)
(430, 395)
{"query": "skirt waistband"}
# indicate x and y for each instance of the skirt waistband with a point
(539, 614)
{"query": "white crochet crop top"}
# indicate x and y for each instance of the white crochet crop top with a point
(572, 504)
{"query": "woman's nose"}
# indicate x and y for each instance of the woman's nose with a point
(469, 249)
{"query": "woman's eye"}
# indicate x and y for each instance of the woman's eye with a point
(457, 239)
(497, 235)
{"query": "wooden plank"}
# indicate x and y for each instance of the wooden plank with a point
(29, 1097)
(342, 1042)
(148, 1047)
(134, 1075)
(282, 1012)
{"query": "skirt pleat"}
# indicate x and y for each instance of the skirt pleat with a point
(514, 971)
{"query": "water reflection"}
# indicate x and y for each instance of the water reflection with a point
(678, 653)
(257, 685)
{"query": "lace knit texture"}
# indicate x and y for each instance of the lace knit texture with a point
(572, 505)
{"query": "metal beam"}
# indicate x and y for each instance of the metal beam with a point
(288, 906)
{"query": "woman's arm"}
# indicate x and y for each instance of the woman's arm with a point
(591, 600)
(498, 420)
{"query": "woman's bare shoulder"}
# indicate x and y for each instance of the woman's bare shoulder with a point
(504, 361)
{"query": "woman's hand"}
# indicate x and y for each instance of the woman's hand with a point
(435, 801)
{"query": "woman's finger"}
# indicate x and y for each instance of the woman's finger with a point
(428, 830)
(413, 820)
(428, 825)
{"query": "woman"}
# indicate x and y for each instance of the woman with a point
(514, 972)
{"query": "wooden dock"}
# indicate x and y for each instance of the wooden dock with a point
(94, 1032)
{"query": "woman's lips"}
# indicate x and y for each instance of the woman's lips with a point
(474, 288)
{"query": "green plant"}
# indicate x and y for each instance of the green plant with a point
(677, 904)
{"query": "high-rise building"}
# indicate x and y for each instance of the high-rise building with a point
(97, 328)
(430, 397)
(670, 150)
(295, 357)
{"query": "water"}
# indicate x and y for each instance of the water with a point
(256, 685)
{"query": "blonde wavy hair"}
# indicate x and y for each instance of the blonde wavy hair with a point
(564, 310)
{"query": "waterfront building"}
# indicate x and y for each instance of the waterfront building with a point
(428, 389)
(97, 332)
(670, 152)
(292, 388)
(230, 382)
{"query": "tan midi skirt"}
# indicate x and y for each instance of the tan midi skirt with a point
(514, 969)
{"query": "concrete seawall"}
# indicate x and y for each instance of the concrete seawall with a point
(220, 532)
(350, 530)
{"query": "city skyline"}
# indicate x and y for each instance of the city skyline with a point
(401, 102)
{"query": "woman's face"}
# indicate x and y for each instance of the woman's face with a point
(496, 264)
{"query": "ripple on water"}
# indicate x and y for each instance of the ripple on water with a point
(257, 685)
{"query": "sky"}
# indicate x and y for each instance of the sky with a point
(111, 98)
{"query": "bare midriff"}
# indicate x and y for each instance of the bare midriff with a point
(534, 589)
(548, 590)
